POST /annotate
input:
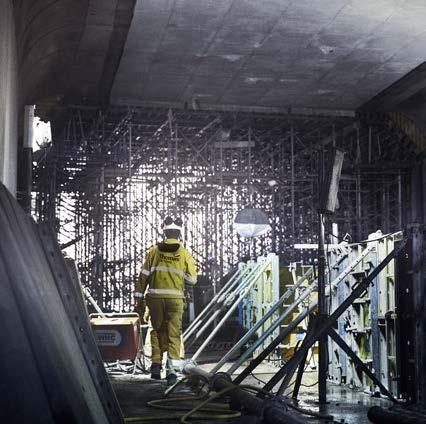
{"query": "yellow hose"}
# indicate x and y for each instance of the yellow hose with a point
(215, 413)
(205, 402)
(177, 417)
(218, 394)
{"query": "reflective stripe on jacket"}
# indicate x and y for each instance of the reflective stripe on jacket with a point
(168, 266)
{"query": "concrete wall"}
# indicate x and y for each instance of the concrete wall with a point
(8, 97)
(415, 109)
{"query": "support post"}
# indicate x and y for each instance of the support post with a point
(322, 303)
(311, 328)
(419, 313)
(26, 161)
(293, 225)
(418, 179)
(322, 310)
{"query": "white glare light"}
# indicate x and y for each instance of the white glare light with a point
(42, 133)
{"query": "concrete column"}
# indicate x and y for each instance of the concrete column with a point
(8, 97)
(25, 161)
(418, 275)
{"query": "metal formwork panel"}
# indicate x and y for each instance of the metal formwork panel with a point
(338, 360)
(369, 325)
(264, 294)
(51, 369)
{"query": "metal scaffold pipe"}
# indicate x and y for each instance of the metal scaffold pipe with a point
(243, 291)
(292, 326)
(226, 301)
(92, 301)
(247, 353)
(259, 323)
(322, 310)
(202, 181)
(218, 297)
(226, 297)
(326, 325)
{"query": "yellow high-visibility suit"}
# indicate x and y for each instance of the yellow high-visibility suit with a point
(167, 267)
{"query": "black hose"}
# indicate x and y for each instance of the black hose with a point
(378, 415)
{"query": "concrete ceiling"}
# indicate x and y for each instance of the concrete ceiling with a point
(69, 50)
(407, 96)
(270, 53)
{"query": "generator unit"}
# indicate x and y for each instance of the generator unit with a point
(117, 335)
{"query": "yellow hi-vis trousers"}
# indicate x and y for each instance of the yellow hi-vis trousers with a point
(166, 320)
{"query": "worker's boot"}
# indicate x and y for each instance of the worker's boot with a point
(156, 371)
(171, 379)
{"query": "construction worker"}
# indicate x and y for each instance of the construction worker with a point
(167, 267)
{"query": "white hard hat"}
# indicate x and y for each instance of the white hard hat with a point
(172, 224)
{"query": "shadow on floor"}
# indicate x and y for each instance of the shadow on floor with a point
(345, 405)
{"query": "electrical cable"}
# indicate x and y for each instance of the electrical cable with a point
(181, 399)
(264, 383)
(308, 412)
(290, 386)
(310, 385)
(304, 371)
(337, 238)
(257, 379)
(384, 236)
(175, 417)
(329, 282)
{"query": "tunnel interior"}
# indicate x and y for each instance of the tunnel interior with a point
(288, 136)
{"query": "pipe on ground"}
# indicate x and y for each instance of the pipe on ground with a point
(272, 412)
(378, 415)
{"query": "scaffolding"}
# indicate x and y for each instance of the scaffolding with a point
(109, 179)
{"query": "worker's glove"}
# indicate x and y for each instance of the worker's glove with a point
(188, 296)
(146, 315)
(140, 305)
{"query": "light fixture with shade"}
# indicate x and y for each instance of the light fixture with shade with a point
(251, 222)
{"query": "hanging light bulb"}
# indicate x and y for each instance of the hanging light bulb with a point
(251, 222)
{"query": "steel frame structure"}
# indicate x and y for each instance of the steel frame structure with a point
(109, 179)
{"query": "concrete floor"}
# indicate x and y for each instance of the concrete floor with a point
(345, 405)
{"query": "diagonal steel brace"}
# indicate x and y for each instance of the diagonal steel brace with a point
(289, 368)
(345, 347)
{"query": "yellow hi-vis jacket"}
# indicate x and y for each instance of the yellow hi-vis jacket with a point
(168, 266)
